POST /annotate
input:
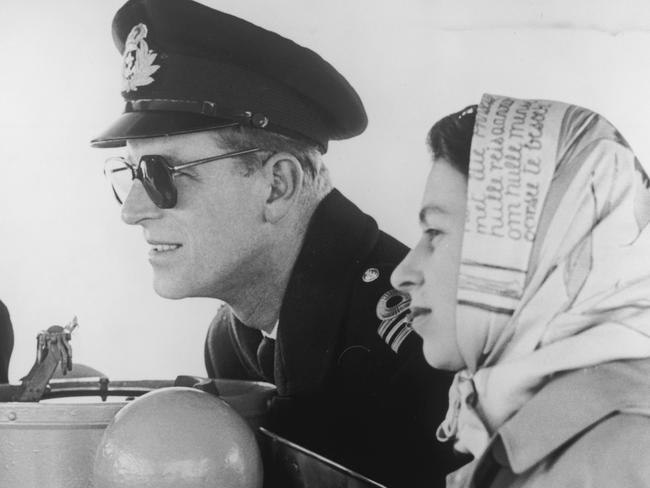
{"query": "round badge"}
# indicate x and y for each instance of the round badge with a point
(371, 274)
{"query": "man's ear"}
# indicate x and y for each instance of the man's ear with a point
(285, 176)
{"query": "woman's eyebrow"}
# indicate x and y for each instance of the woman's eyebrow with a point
(426, 212)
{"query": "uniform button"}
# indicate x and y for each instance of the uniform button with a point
(371, 274)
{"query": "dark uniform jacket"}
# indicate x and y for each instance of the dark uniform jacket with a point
(350, 386)
(6, 343)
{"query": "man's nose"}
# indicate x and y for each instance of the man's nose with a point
(138, 206)
(408, 273)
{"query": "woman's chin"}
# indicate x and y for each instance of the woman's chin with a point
(443, 357)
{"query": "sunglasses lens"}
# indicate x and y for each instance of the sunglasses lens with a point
(120, 176)
(158, 181)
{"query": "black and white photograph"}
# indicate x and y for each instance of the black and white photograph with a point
(255, 244)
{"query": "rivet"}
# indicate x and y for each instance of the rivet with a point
(260, 121)
(12, 416)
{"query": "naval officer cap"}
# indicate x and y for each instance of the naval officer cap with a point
(187, 68)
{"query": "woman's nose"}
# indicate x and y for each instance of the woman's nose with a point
(138, 206)
(408, 273)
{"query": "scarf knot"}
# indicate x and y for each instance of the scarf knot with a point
(463, 423)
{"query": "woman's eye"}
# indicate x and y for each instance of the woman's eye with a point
(432, 234)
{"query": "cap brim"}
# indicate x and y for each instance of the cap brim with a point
(139, 125)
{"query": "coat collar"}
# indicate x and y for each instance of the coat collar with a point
(337, 240)
(572, 403)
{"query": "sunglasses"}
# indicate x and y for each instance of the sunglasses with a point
(156, 175)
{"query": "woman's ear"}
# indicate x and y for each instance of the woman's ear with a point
(285, 176)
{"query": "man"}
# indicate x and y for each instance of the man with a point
(225, 125)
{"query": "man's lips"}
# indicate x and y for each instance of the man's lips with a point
(161, 246)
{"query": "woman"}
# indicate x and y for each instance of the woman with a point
(532, 280)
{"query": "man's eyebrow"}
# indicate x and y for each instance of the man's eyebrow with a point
(431, 209)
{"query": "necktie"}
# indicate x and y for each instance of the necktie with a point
(266, 358)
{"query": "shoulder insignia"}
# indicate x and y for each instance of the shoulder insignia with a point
(393, 311)
(137, 60)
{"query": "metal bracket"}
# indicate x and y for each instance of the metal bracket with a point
(52, 348)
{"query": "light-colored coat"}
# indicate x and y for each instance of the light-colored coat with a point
(589, 428)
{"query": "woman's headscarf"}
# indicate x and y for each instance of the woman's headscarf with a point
(555, 269)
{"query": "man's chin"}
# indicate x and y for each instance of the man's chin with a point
(169, 289)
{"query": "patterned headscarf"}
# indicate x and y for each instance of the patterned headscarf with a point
(555, 268)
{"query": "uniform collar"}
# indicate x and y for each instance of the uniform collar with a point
(338, 238)
(572, 403)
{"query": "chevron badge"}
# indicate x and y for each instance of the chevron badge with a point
(393, 311)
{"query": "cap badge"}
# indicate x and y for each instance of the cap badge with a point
(137, 60)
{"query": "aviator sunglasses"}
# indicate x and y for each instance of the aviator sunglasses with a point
(156, 175)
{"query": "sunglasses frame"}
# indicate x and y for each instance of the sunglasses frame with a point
(172, 171)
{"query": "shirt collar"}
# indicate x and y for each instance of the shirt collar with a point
(274, 331)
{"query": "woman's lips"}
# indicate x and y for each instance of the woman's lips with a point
(418, 311)
(417, 314)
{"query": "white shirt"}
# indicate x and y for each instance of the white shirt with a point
(274, 331)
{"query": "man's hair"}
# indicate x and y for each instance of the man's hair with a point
(451, 138)
(317, 181)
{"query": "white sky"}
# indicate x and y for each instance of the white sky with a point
(63, 248)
